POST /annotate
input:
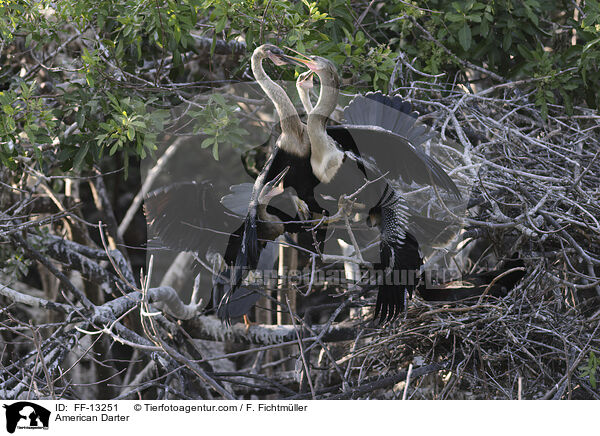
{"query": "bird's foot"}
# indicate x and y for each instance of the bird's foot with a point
(248, 323)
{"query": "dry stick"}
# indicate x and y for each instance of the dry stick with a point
(40, 64)
(357, 252)
(560, 383)
(150, 383)
(329, 323)
(39, 358)
(493, 282)
(129, 388)
(69, 219)
(103, 205)
(281, 290)
(351, 355)
(385, 382)
(63, 279)
(194, 368)
(584, 172)
(147, 321)
(36, 341)
(255, 350)
(405, 393)
(524, 175)
(275, 385)
(401, 58)
(306, 367)
(31, 301)
(363, 15)
(86, 351)
(112, 261)
(589, 260)
(325, 348)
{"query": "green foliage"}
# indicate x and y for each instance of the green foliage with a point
(516, 40)
(85, 80)
(14, 262)
(219, 123)
(25, 119)
(590, 369)
(131, 128)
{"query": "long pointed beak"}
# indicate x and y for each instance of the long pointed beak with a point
(301, 208)
(273, 188)
(279, 178)
(307, 62)
(307, 75)
(305, 79)
(278, 59)
(296, 51)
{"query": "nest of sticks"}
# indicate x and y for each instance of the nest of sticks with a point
(535, 195)
(536, 191)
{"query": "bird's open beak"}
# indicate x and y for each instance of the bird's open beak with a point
(275, 187)
(300, 62)
(279, 178)
(306, 62)
(301, 208)
(278, 59)
(306, 79)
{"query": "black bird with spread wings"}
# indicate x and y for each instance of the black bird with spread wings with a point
(195, 217)
(380, 140)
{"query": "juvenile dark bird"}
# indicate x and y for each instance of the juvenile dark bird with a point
(192, 216)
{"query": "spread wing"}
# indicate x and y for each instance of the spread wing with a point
(384, 131)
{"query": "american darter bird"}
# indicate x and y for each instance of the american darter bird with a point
(192, 216)
(380, 139)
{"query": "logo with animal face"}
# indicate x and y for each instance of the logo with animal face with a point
(26, 415)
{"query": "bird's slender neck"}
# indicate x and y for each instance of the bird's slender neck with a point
(328, 95)
(291, 126)
(304, 94)
(269, 225)
(262, 213)
(326, 157)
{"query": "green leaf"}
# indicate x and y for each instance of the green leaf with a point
(455, 18)
(507, 41)
(81, 154)
(100, 139)
(590, 45)
(219, 99)
(113, 99)
(215, 151)
(464, 37)
(89, 79)
(207, 142)
(221, 24)
(80, 118)
(484, 28)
